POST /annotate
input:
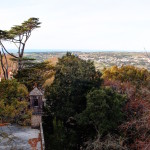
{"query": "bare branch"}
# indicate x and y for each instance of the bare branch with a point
(7, 51)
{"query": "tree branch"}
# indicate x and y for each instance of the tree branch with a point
(2, 65)
(7, 51)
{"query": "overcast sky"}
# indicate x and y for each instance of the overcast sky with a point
(82, 24)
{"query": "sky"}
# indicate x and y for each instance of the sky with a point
(82, 24)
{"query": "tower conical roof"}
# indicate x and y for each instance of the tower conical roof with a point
(36, 92)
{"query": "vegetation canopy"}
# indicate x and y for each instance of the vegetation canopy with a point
(14, 103)
(18, 35)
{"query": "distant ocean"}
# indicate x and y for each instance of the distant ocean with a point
(74, 50)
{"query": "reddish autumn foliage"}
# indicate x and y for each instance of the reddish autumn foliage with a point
(136, 128)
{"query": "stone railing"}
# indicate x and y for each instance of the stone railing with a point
(42, 137)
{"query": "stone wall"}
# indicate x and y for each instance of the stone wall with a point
(35, 121)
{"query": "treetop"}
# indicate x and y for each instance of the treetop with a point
(24, 29)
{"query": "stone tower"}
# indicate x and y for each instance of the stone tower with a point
(36, 104)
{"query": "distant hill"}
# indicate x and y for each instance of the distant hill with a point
(53, 60)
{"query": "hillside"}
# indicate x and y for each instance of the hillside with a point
(12, 65)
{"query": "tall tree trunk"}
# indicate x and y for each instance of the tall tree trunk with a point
(4, 64)
(19, 64)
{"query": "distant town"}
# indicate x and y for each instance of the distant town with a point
(101, 59)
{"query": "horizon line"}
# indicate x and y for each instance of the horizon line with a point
(77, 50)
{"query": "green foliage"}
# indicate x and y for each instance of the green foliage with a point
(66, 97)
(14, 103)
(35, 73)
(16, 112)
(56, 140)
(11, 90)
(103, 111)
(26, 62)
(3, 34)
(19, 35)
(20, 31)
(74, 78)
(57, 137)
(25, 28)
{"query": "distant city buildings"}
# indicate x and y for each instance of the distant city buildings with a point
(100, 59)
